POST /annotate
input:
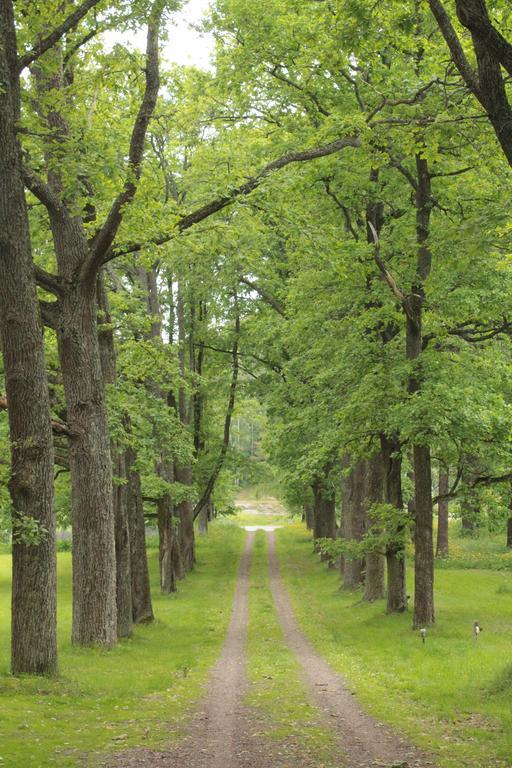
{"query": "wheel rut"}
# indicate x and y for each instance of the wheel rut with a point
(224, 732)
(363, 741)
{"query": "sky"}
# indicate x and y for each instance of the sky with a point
(185, 45)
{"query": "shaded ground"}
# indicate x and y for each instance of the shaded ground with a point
(225, 733)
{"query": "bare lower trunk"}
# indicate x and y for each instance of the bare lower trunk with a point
(186, 517)
(94, 558)
(374, 561)
(166, 536)
(108, 364)
(324, 512)
(509, 533)
(123, 555)
(309, 515)
(395, 550)
(142, 609)
(353, 491)
(423, 540)
(33, 632)
(442, 547)
(202, 520)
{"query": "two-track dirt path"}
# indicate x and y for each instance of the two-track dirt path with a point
(363, 740)
(225, 733)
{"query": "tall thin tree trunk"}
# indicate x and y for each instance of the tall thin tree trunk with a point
(374, 561)
(395, 550)
(33, 632)
(353, 489)
(142, 609)
(184, 473)
(324, 510)
(442, 547)
(423, 521)
(123, 549)
(168, 542)
(94, 557)
(170, 558)
(120, 478)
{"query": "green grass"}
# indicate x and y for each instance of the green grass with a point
(484, 550)
(451, 695)
(276, 688)
(134, 694)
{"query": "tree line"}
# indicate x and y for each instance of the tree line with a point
(318, 223)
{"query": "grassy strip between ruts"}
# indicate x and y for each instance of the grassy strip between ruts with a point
(276, 691)
(452, 695)
(135, 694)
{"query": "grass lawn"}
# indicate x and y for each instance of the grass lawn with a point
(452, 695)
(133, 694)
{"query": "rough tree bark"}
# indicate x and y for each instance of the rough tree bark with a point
(33, 633)
(395, 550)
(374, 561)
(74, 317)
(324, 510)
(423, 523)
(142, 609)
(352, 504)
(120, 477)
(442, 546)
(183, 474)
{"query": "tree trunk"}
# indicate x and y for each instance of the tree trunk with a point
(374, 561)
(395, 550)
(353, 520)
(442, 548)
(202, 519)
(120, 480)
(309, 515)
(413, 304)
(509, 533)
(186, 517)
(142, 609)
(167, 544)
(33, 633)
(184, 474)
(94, 558)
(123, 561)
(423, 522)
(324, 511)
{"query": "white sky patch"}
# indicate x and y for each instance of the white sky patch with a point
(185, 44)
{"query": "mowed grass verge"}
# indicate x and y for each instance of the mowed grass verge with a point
(133, 695)
(276, 690)
(452, 695)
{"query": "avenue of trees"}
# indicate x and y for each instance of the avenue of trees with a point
(320, 224)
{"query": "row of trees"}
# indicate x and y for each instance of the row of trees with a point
(178, 243)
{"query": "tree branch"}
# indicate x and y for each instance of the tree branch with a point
(47, 281)
(58, 427)
(227, 425)
(453, 42)
(474, 16)
(267, 297)
(218, 204)
(105, 236)
(49, 41)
